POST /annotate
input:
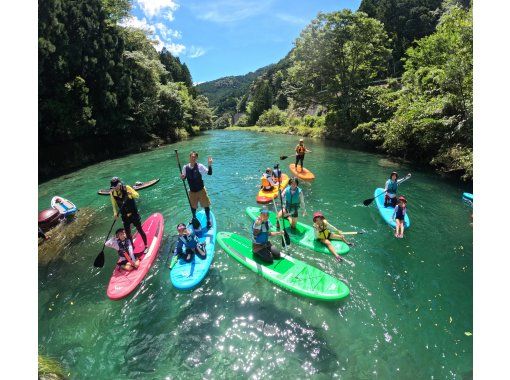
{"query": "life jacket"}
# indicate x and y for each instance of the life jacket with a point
(189, 241)
(292, 200)
(300, 149)
(265, 182)
(124, 250)
(277, 173)
(322, 233)
(194, 178)
(263, 236)
(400, 212)
(392, 186)
(122, 198)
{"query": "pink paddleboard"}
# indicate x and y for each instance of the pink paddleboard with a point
(124, 282)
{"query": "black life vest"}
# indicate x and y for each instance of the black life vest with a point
(194, 178)
(123, 249)
(123, 199)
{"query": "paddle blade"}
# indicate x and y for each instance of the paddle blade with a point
(367, 202)
(99, 261)
(283, 157)
(172, 262)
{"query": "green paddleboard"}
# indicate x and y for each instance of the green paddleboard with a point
(303, 235)
(287, 272)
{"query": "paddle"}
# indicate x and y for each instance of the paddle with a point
(285, 234)
(368, 201)
(195, 222)
(283, 157)
(99, 261)
(287, 238)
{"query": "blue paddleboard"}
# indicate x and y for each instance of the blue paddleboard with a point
(467, 197)
(387, 212)
(186, 276)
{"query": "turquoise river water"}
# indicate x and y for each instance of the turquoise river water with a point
(409, 315)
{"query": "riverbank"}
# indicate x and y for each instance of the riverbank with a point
(61, 159)
(321, 133)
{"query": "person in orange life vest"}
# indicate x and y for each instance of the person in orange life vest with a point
(300, 153)
(267, 180)
(123, 202)
(128, 260)
(193, 172)
(261, 231)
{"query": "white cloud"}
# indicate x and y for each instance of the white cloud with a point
(291, 19)
(195, 52)
(230, 10)
(166, 32)
(152, 8)
(133, 22)
(175, 49)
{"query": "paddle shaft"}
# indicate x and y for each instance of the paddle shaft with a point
(370, 200)
(277, 220)
(184, 183)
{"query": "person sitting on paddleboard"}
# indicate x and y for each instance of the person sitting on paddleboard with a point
(188, 244)
(197, 192)
(300, 153)
(277, 173)
(324, 235)
(128, 260)
(123, 201)
(261, 230)
(267, 180)
(294, 198)
(390, 188)
(399, 216)
(41, 234)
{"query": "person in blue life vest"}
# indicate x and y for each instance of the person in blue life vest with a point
(193, 172)
(399, 217)
(277, 173)
(128, 260)
(294, 199)
(123, 202)
(391, 187)
(261, 231)
(188, 244)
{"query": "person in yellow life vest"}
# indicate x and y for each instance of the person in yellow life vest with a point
(123, 202)
(324, 235)
(267, 180)
(300, 153)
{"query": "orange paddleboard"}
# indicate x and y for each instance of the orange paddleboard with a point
(264, 196)
(302, 173)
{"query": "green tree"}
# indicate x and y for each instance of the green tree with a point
(336, 56)
(262, 100)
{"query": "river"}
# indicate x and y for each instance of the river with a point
(409, 315)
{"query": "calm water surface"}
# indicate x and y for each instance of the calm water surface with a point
(411, 300)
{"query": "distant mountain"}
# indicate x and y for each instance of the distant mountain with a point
(223, 93)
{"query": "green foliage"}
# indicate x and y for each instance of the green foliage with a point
(336, 56)
(261, 101)
(224, 121)
(99, 80)
(243, 121)
(271, 117)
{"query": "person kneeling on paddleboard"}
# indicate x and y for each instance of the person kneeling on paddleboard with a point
(123, 201)
(294, 198)
(391, 187)
(261, 230)
(399, 217)
(197, 192)
(323, 234)
(188, 244)
(267, 180)
(128, 260)
(300, 153)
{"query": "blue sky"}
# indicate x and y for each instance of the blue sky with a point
(217, 38)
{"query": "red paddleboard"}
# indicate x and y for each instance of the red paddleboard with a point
(124, 282)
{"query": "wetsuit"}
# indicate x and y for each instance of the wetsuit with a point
(124, 200)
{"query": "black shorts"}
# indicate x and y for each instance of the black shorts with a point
(268, 253)
(292, 211)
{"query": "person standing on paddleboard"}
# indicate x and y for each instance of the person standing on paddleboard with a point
(123, 201)
(261, 230)
(197, 192)
(294, 198)
(300, 153)
(391, 187)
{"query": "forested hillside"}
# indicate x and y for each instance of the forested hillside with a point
(104, 90)
(395, 76)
